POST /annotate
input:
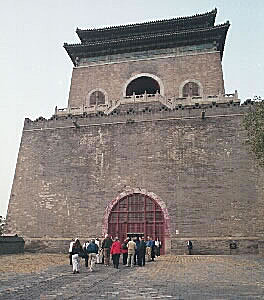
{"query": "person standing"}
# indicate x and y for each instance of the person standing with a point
(116, 251)
(189, 246)
(106, 245)
(85, 245)
(124, 251)
(153, 254)
(131, 249)
(157, 247)
(98, 260)
(137, 241)
(92, 251)
(141, 252)
(70, 251)
(76, 252)
(148, 248)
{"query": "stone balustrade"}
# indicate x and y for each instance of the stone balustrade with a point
(170, 102)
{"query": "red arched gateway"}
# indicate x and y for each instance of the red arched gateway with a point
(137, 214)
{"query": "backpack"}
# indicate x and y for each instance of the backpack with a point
(124, 246)
(92, 248)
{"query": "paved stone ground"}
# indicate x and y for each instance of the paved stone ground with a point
(170, 277)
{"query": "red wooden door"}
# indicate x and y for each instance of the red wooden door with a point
(137, 214)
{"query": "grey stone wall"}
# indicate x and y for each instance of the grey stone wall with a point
(65, 176)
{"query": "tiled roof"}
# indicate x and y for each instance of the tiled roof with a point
(149, 41)
(176, 24)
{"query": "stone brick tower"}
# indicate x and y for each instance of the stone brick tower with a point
(149, 144)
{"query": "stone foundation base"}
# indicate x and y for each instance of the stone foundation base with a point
(206, 246)
(48, 245)
(218, 245)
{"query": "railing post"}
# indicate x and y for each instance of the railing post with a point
(145, 96)
(236, 95)
(134, 96)
(220, 96)
(157, 95)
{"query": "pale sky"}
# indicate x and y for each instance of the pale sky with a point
(35, 70)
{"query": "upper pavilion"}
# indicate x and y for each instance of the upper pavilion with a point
(171, 63)
(162, 34)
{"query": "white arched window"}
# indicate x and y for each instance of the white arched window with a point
(190, 88)
(96, 97)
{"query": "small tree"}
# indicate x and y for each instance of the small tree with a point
(2, 224)
(254, 124)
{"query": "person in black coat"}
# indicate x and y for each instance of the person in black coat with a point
(189, 246)
(106, 246)
(137, 241)
(141, 252)
(76, 254)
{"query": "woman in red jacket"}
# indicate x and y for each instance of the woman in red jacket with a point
(116, 251)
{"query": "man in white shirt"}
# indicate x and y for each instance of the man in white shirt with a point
(131, 249)
(70, 251)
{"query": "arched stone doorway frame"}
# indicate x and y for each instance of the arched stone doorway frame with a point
(131, 191)
(146, 75)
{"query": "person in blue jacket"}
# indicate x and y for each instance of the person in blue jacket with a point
(92, 251)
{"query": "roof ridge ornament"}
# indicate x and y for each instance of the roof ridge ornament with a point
(112, 27)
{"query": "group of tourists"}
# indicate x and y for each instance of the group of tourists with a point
(135, 252)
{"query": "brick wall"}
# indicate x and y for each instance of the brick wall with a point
(172, 71)
(65, 176)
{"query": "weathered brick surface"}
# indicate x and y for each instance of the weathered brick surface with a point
(66, 176)
(172, 71)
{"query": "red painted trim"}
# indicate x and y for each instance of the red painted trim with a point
(130, 191)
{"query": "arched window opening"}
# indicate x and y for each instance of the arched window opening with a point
(190, 89)
(137, 215)
(141, 85)
(97, 98)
